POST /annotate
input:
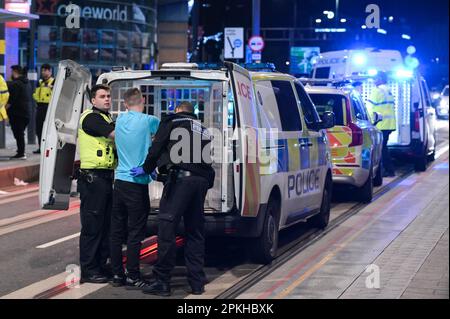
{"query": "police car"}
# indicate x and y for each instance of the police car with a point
(270, 149)
(415, 137)
(356, 143)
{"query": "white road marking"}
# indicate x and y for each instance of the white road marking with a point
(56, 242)
(442, 151)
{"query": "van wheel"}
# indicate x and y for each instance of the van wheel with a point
(321, 219)
(266, 245)
(420, 163)
(366, 191)
(378, 180)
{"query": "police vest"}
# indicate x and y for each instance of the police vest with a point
(96, 152)
(43, 92)
(382, 101)
(4, 96)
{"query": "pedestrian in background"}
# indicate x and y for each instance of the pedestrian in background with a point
(42, 96)
(18, 108)
(131, 203)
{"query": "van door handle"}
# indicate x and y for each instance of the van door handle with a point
(309, 144)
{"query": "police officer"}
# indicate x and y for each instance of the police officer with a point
(190, 175)
(382, 101)
(42, 96)
(97, 163)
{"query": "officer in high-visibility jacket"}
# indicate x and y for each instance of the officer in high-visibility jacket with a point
(97, 163)
(4, 96)
(42, 96)
(382, 101)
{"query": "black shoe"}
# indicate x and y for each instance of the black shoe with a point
(107, 272)
(94, 279)
(158, 288)
(38, 151)
(135, 284)
(388, 174)
(18, 156)
(118, 280)
(196, 291)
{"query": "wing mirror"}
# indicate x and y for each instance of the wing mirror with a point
(328, 121)
(377, 118)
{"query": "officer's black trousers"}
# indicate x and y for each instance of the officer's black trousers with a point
(183, 197)
(41, 113)
(386, 156)
(131, 205)
(18, 125)
(95, 214)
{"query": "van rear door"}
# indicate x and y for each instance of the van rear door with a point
(59, 135)
(246, 163)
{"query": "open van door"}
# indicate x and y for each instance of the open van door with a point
(246, 163)
(59, 135)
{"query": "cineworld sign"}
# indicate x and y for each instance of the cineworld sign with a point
(120, 13)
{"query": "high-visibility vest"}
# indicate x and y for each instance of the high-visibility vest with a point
(96, 152)
(4, 96)
(382, 101)
(43, 92)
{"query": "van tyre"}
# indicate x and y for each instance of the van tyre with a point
(366, 191)
(420, 163)
(265, 246)
(378, 180)
(321, 219)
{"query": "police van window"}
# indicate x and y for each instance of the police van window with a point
(331, 103)
(287, 106)
(359, 109)
(309, 111)
(322, 73)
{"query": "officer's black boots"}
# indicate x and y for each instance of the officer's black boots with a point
(94, 279)
(158, 288)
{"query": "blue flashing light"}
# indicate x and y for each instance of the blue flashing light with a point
(359, 59)
(261, 67)
(372, 72)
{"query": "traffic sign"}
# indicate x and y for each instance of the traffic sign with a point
(256, 43)
(234, 40)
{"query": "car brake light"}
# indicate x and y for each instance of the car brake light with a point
(357, 135)
(417, 121)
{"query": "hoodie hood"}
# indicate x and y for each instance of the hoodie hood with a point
(171, 116)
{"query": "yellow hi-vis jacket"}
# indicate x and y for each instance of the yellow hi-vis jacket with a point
(96, 152)
(4, 96)
(43, 92)
(382, 101)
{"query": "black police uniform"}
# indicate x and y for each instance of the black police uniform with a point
(95, 188)
(183, 195)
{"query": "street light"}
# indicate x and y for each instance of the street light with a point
(318, 20)
(343, 20)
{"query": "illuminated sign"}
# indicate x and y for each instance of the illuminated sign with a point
(20, 7)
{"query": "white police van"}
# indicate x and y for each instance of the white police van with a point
(271, 154)
(415, 136)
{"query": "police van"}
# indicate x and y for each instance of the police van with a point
(416, 128)
(270, 149)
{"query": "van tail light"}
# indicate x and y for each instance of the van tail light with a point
(417, 121)
(357, 135)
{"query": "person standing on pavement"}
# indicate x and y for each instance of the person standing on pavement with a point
(42, 96)
(97, 163)
(190, 177)
(18, 108)
(131, 203)
(382, 101)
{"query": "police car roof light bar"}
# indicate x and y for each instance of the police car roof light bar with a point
(259, 67)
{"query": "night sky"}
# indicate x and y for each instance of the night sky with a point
(427, 22)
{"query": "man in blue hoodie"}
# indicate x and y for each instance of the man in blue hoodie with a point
(131, 204)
